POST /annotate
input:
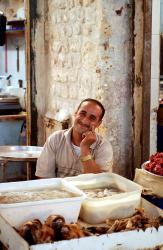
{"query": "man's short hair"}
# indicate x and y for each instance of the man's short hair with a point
(96, 102)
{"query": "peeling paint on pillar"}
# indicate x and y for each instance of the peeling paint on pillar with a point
(117, 83)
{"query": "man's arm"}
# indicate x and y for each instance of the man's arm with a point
(103, 155)
(45, 167)
(90, 166)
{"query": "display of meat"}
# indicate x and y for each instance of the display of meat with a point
(55, 228)
(155, 164)
(138, 221)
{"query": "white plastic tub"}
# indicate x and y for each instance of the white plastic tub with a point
(18, 213)
(97, 210)
(151, 238)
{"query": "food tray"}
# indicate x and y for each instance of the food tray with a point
(17, 213)
(121, 205)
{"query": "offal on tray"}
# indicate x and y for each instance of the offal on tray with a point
(55, 228)
(155, 164)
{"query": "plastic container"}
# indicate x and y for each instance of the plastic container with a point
(97, 210)
(17, 213)
(152, 183)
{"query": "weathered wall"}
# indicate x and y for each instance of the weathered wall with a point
(84, 48)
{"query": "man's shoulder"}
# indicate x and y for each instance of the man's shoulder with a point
(101, 140)
(59, 134)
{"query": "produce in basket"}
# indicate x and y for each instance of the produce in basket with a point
(155, 164)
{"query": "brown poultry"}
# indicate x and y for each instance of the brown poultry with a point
(55, 221)
(71, 231)
(30, 230)
(47, 234)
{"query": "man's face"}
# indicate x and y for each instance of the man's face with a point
(88, 116)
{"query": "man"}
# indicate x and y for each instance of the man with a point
(79, 149)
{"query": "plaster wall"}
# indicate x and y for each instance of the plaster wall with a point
(86, 50)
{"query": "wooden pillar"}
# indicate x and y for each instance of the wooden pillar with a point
(146, 80)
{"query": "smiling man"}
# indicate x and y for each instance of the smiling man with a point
(79, 149)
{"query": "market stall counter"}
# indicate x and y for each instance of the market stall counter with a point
(20, 216)
(151, 238)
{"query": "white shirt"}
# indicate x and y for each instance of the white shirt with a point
(76, 149)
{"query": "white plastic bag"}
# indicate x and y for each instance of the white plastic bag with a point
(152, 184)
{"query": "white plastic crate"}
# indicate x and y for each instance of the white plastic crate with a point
(97, 210)
(151, 238)
(18, 213)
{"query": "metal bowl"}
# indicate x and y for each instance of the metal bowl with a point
(20, 152)
(143, 167)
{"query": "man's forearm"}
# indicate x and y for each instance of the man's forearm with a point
(88, 162)
(90, 166)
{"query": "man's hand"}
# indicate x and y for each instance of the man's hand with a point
(89, 166)
(89, 138)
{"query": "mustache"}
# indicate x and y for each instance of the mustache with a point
(85, 125)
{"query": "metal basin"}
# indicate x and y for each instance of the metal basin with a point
(19, 153)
